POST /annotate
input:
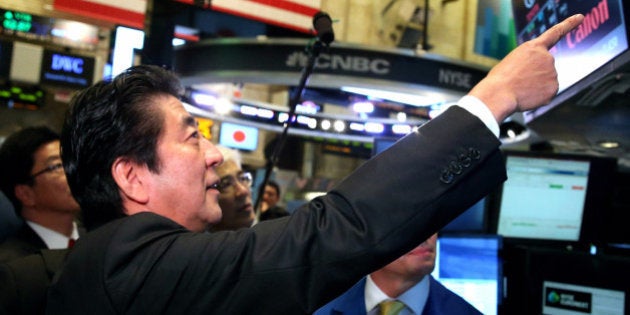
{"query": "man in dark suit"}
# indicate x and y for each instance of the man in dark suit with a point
(33, 180)
(24, 281)
(147, 184)
(407, 283)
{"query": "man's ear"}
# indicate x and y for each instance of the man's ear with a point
(130, 178)
(25, 194)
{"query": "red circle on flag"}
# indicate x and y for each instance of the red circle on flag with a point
(238, 136)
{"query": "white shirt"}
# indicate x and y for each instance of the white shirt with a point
(54, 239)
(476, 107)
(415, 298)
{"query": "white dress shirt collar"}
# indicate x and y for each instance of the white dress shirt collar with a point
(415, 298)
(54, 239)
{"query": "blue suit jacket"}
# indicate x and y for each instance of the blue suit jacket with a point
(441, 301)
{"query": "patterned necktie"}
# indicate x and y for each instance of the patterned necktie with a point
(391, 307)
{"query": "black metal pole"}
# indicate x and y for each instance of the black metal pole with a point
(314, 52)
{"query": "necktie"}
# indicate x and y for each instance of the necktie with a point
(391, 307)
(71, 242)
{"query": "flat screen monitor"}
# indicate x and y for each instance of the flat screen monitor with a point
(471, 266)
(602, 38)
(544, 280)
(553, 197)
(472, 220)
(238, 136)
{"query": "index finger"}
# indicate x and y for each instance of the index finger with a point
(553, 35)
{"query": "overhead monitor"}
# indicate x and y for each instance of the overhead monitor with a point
(582, 54)
(238, 136)
(553, 197)
(471, 266)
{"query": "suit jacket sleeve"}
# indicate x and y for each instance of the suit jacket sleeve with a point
(295, 264)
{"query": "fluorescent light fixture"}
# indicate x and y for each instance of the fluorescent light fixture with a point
(401, 129)
(249, 110)
(307, 107)
(339, 126)
(405, 98)
(178, 42)
(282, 117)
(265, 113)
(356, 126)
(204, 99)
(326, 124)
(373, 127)
(363, 107)
(223, 106)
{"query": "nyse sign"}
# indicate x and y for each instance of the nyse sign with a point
(67, 70)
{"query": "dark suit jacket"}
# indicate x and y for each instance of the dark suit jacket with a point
(23, 243)
(148, 264)
(24, 281)
(441, 301)
(273, 213)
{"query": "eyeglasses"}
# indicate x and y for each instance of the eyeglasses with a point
(54, 168)
(227, 182)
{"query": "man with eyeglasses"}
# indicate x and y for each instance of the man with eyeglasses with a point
(235, 196)
(32, 178)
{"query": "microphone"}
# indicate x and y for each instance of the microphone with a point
(323, 26)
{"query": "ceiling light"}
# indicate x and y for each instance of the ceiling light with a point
(399, 97)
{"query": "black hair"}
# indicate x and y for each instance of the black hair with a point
(17, 157)
(275, 186)
(108, 120)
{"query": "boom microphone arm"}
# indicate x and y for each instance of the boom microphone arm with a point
(322, 23)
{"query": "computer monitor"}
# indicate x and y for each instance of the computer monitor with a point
(586, 55)
(544, 280)
(473, 220)
(471, 266)
(553, 198)
(238, 136)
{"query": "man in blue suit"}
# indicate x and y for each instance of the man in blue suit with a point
(407, 280)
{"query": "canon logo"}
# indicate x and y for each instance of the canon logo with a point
(592, 21)
(67, 64)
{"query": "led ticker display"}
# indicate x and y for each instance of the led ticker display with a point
(57, 31)
(21, 97)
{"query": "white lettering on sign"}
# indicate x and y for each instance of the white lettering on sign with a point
(455, 78)
(345, 63)
(353, 63)
(67, 64)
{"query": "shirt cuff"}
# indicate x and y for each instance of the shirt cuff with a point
(476, 107)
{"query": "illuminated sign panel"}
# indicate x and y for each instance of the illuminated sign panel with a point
(67, 70)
